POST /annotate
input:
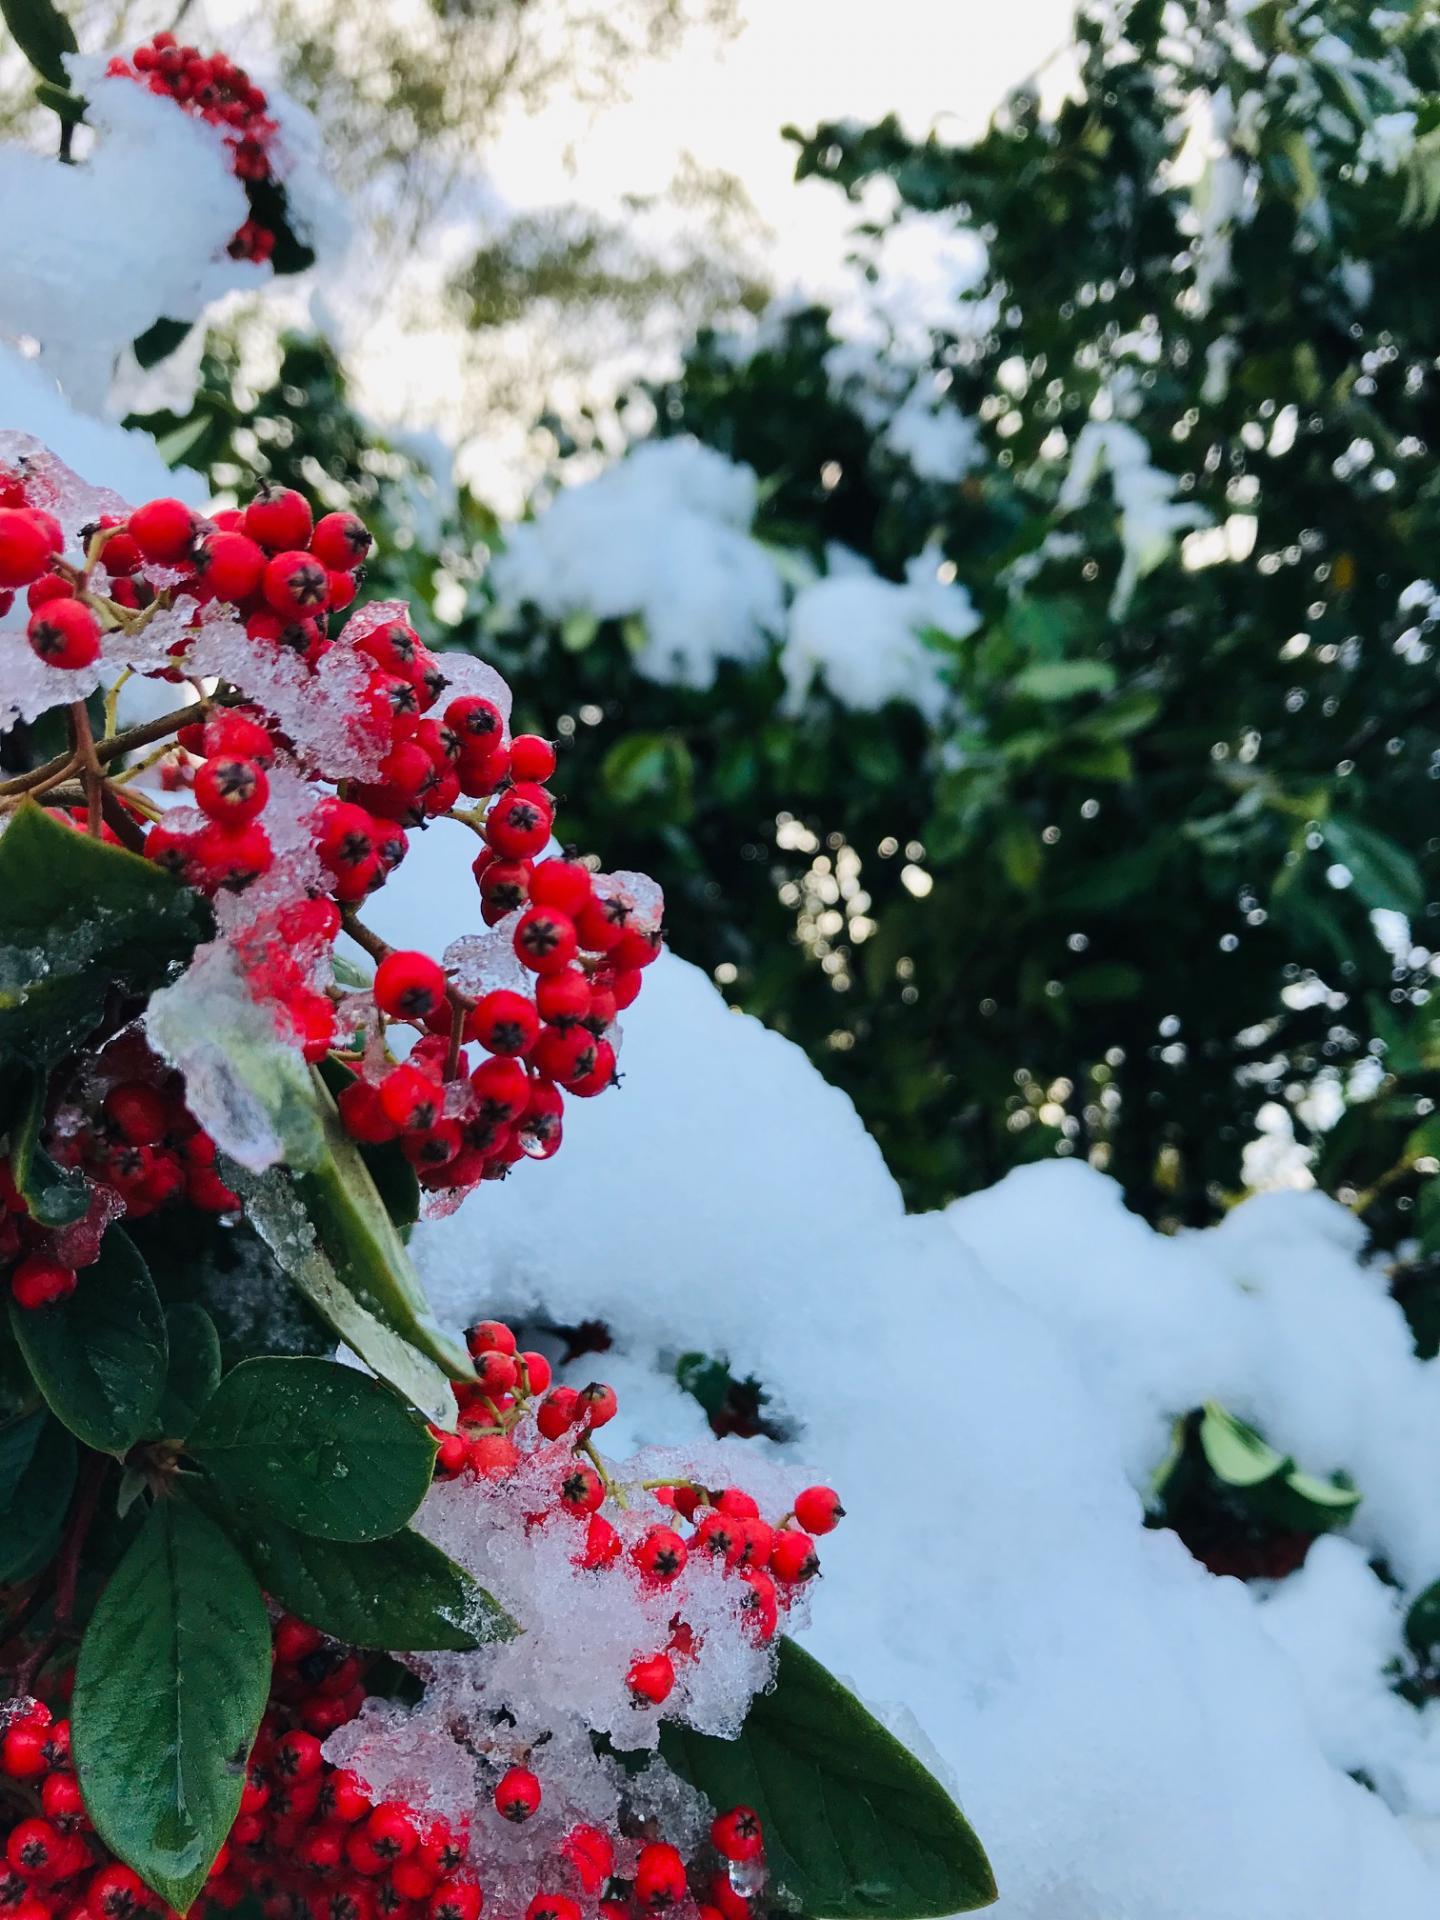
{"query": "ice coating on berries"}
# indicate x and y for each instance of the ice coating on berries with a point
(248, 1088)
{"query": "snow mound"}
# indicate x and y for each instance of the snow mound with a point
(1116, 1720)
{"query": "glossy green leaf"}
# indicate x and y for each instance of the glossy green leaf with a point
(99, 1356)
(43, 35)
(56, 1196)
(1236, 1453)
(1382, 872)
(172, 1678)
(193, 1372)
(318, 1446)
(1064, 679)
(82, 920)
(37, 1475)
(854, 1824)
(401, 1593)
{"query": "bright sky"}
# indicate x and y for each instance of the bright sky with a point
(723, 102)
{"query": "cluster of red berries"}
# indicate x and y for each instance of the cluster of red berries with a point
(311, 1843)
(141, 1149)
(388, 754)
(214, 89)
(511, 1410)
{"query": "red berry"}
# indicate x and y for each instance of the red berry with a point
(651, 1680)
(721, 1537)
(518, 1795)
(591, 1852)
(537, 1372)
(635, 948)
(504, 886)
(231, 790)
(737, 1503)
(25, 546)
(553, 1906)
(503, 1089)
(565, 884)
(545, 939)
(560, 1410)
(49, 586)
(793, 1557)
(296, 585)
(64, 633)
(229, 565)
(411, 1099)
(601, 1074)
(581, 1490)
(504, 1022)
(598, 1404)
(409, 986)
(519, 824)
(363, 1115)
(659, 1877)
(163, 531)
(494, 1456)
(232, 857)
(455, 1900)
(477, 721)
(39, 1281)
(139, 1113)
(603, 1544)
(818, 1509)
(33, 1849)
(237, 734)
(497, 1373)
(298, 1755)
(341, 541)
(564, 997)
(279, 518)
(738, 1834)
(390, 1829)
(760, 1608)
(531, 758)
(660, 1555)
(626, 988)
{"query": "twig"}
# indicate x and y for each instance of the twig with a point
(77, 1528)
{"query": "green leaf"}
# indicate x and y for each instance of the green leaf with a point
(82, 919)
(193, 1372)
(1384, 874)
(172, 1678)
(316, 1445)
(99, 1356)
(1422, 1622)
(43, 35)
(1063, 679)
(37, 1475)
(854, 1824)
(366, 1251)
(1236, 1453)
(274, 1208)
(401, 1593)
(56, 1196)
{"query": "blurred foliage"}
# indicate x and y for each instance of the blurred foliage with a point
(1121, 906)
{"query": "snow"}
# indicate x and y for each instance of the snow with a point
(863, 637)
(168, 266)
(1149, 515)
(661, 537)
(988, 1389)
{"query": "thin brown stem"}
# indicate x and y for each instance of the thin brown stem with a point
(67, 1576)
(144, 735)
(92, 774)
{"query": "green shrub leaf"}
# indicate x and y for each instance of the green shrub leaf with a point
(1236, 1453)
(37, 1475)
(854, 1824)
(99, 1357)
(81, 919)
(43, 35)
(320, 1446)
(193, 1372)
(401, 1594)
(56, 1196)
(171, 1681)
